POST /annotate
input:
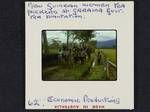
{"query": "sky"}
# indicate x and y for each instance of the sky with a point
(99, 35)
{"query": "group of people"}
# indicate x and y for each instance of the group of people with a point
(76, 54)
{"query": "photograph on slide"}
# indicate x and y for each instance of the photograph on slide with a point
(79, 55)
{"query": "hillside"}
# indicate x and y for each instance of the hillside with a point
(106, 44)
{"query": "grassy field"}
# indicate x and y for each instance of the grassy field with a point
(67, 72)
(79, 71)
(98, 72)
(53, 51)
(110, 53)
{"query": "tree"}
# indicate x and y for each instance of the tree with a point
(55, 43)
(93, 43)
(68, 34)
(83, 36)
(44, 43)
